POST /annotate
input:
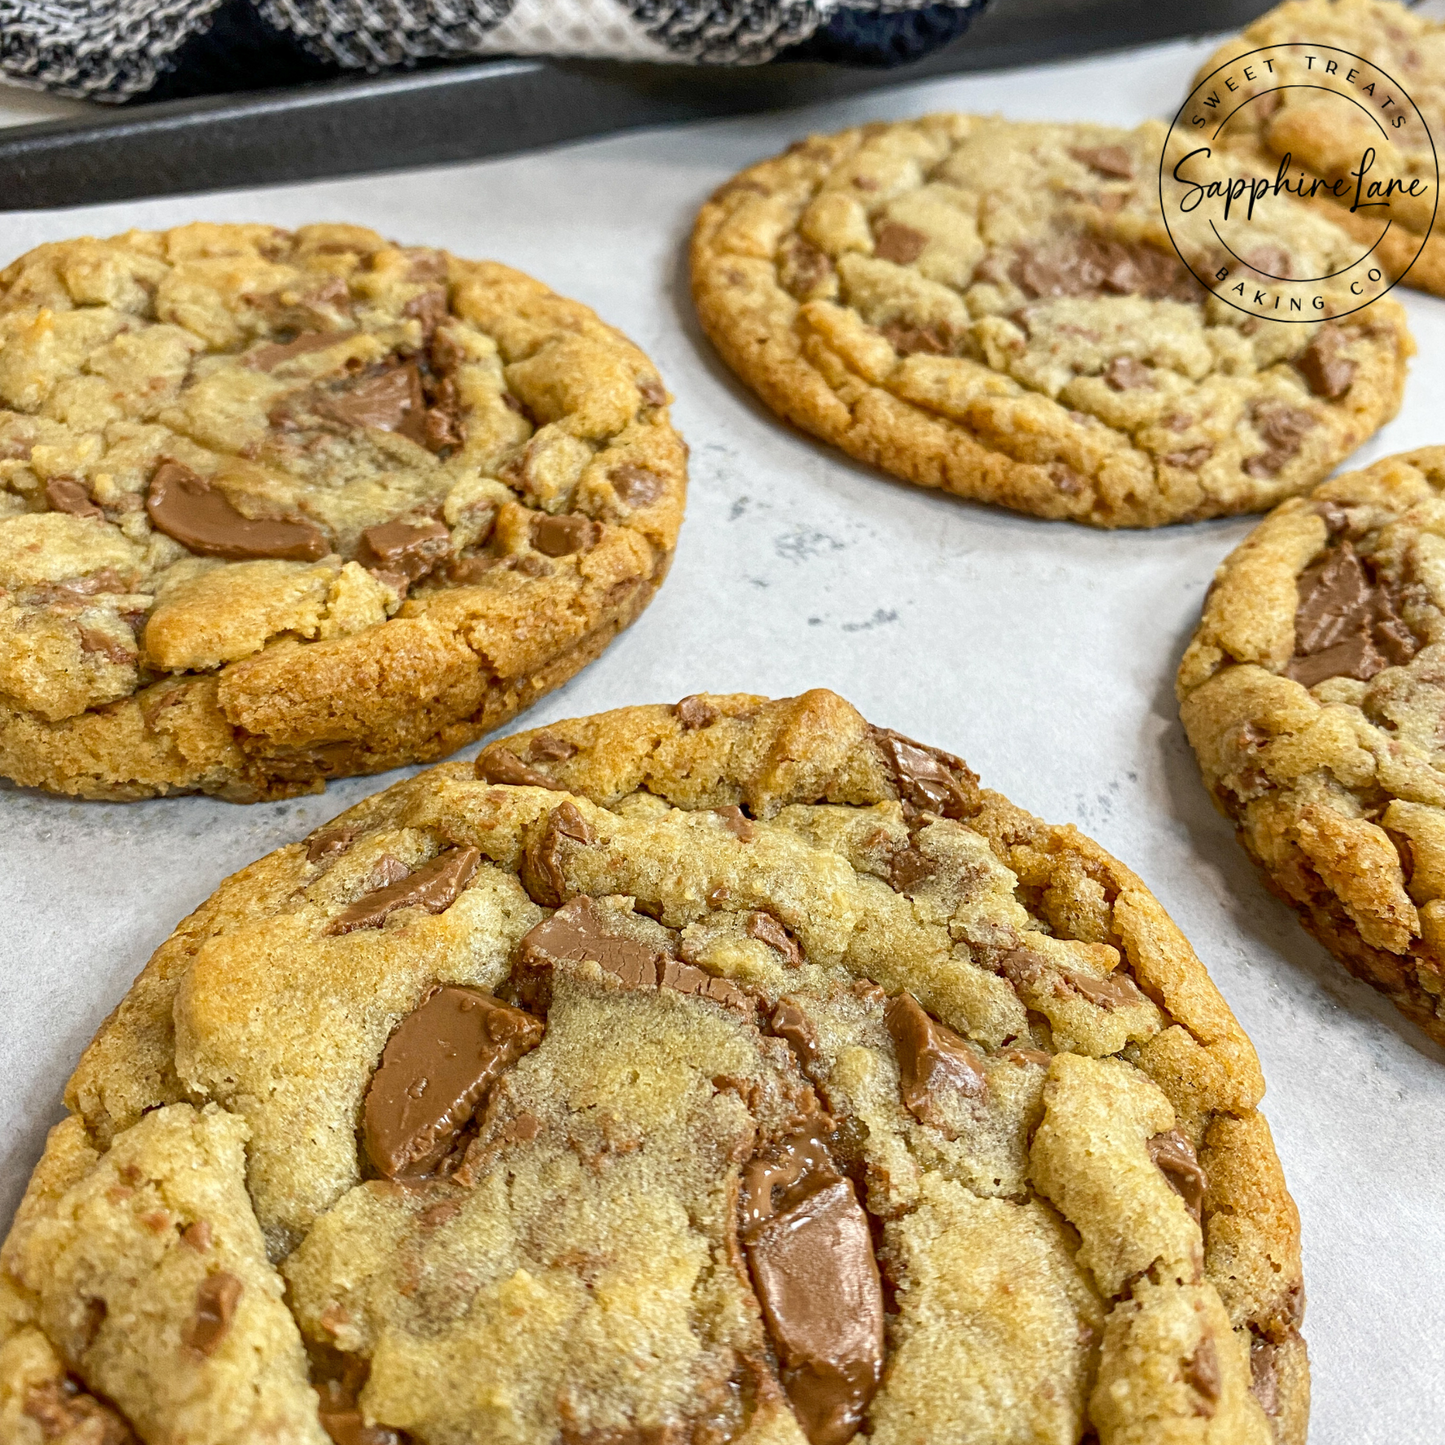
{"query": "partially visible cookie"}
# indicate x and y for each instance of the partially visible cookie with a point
(1313, 693)
(995, 308)
(726, 1072)
(277, 507)
(1327, 137)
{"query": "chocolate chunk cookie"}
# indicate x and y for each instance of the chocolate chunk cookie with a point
(1313, 695)
(995, 308)
(1289, 112)
(732, 1071)
(277, 507)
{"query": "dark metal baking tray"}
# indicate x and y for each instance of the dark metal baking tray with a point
(499, 107)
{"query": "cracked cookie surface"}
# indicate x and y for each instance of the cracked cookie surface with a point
(1312, 695)
(995, 308)
(282, 506)
(1326, 138)
(732, 1071)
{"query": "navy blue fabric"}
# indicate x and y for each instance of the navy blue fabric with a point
(865, 37)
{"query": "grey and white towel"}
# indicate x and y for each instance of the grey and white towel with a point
(118, 50)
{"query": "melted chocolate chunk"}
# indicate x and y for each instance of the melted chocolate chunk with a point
(737, 822)
(60, 1407)
(1174, 1156)
(549, 748)
(388, 398)
(1126, 374)
(436, 1067)
(898, 243)
(787, 1172)
(541, 871)
(929, 779)
(269, 357)
(331, 841)
(434, 886)
(1191, 460)
(636, 486)
(1113, 161)
(215, 1307)
(1024, 968)
(795, 1028)
(817, 1281)
(66, 494)
(1346, 624)
(1201, 1374)
(802, 269)
(1092, 266)
(579, 932)
(767, 929)
(1326, 372)
(188, 508)
(931, 1058)
(908, 869)
(564, 535)
(404, 550)
(501, 765)
(1282, 429)
(909, 340)
(1264, 1375)
(693, 712)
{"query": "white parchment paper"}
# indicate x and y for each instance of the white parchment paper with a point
(1044, 653)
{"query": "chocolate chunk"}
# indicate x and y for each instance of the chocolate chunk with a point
(1326, 372)
(1107, 160)
(1264, 1375)
(693, 712)
(269, 357)
(187, 507)
(908, 869)
(436, 1067)
(497, 764)
(579, 932)
(1174, 1156)
(63, 1410)
(909, 340)
(931, 1057)
(388, 397)
(561, 536)
(1201, 1374)
(215, 1307)
(1191, 460)
(802, 269)
(767, 929)
(1282, 428)
(549, 748)
(929, 779)
(341, 1418)
(636, 486)
(1107, 991)
(430, 307)
(785, 1174)
(404, 549)
(736, 822)
(434, 886)
(795, 1028)
(1091, 266)
(92, 639)
(898, 243)
(1346, 624)
(1126, 374)
(197, 1236)
(541, 870)
(66, 494)
(331, 841)
(822, 1299)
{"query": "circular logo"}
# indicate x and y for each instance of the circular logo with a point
(1288, 123)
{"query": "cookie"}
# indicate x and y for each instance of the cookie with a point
(995, 308)
(1325, 137)
(277, 507)
(731, 1071)
(1312, 696)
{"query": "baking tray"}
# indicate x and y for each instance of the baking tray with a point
(466, 111)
